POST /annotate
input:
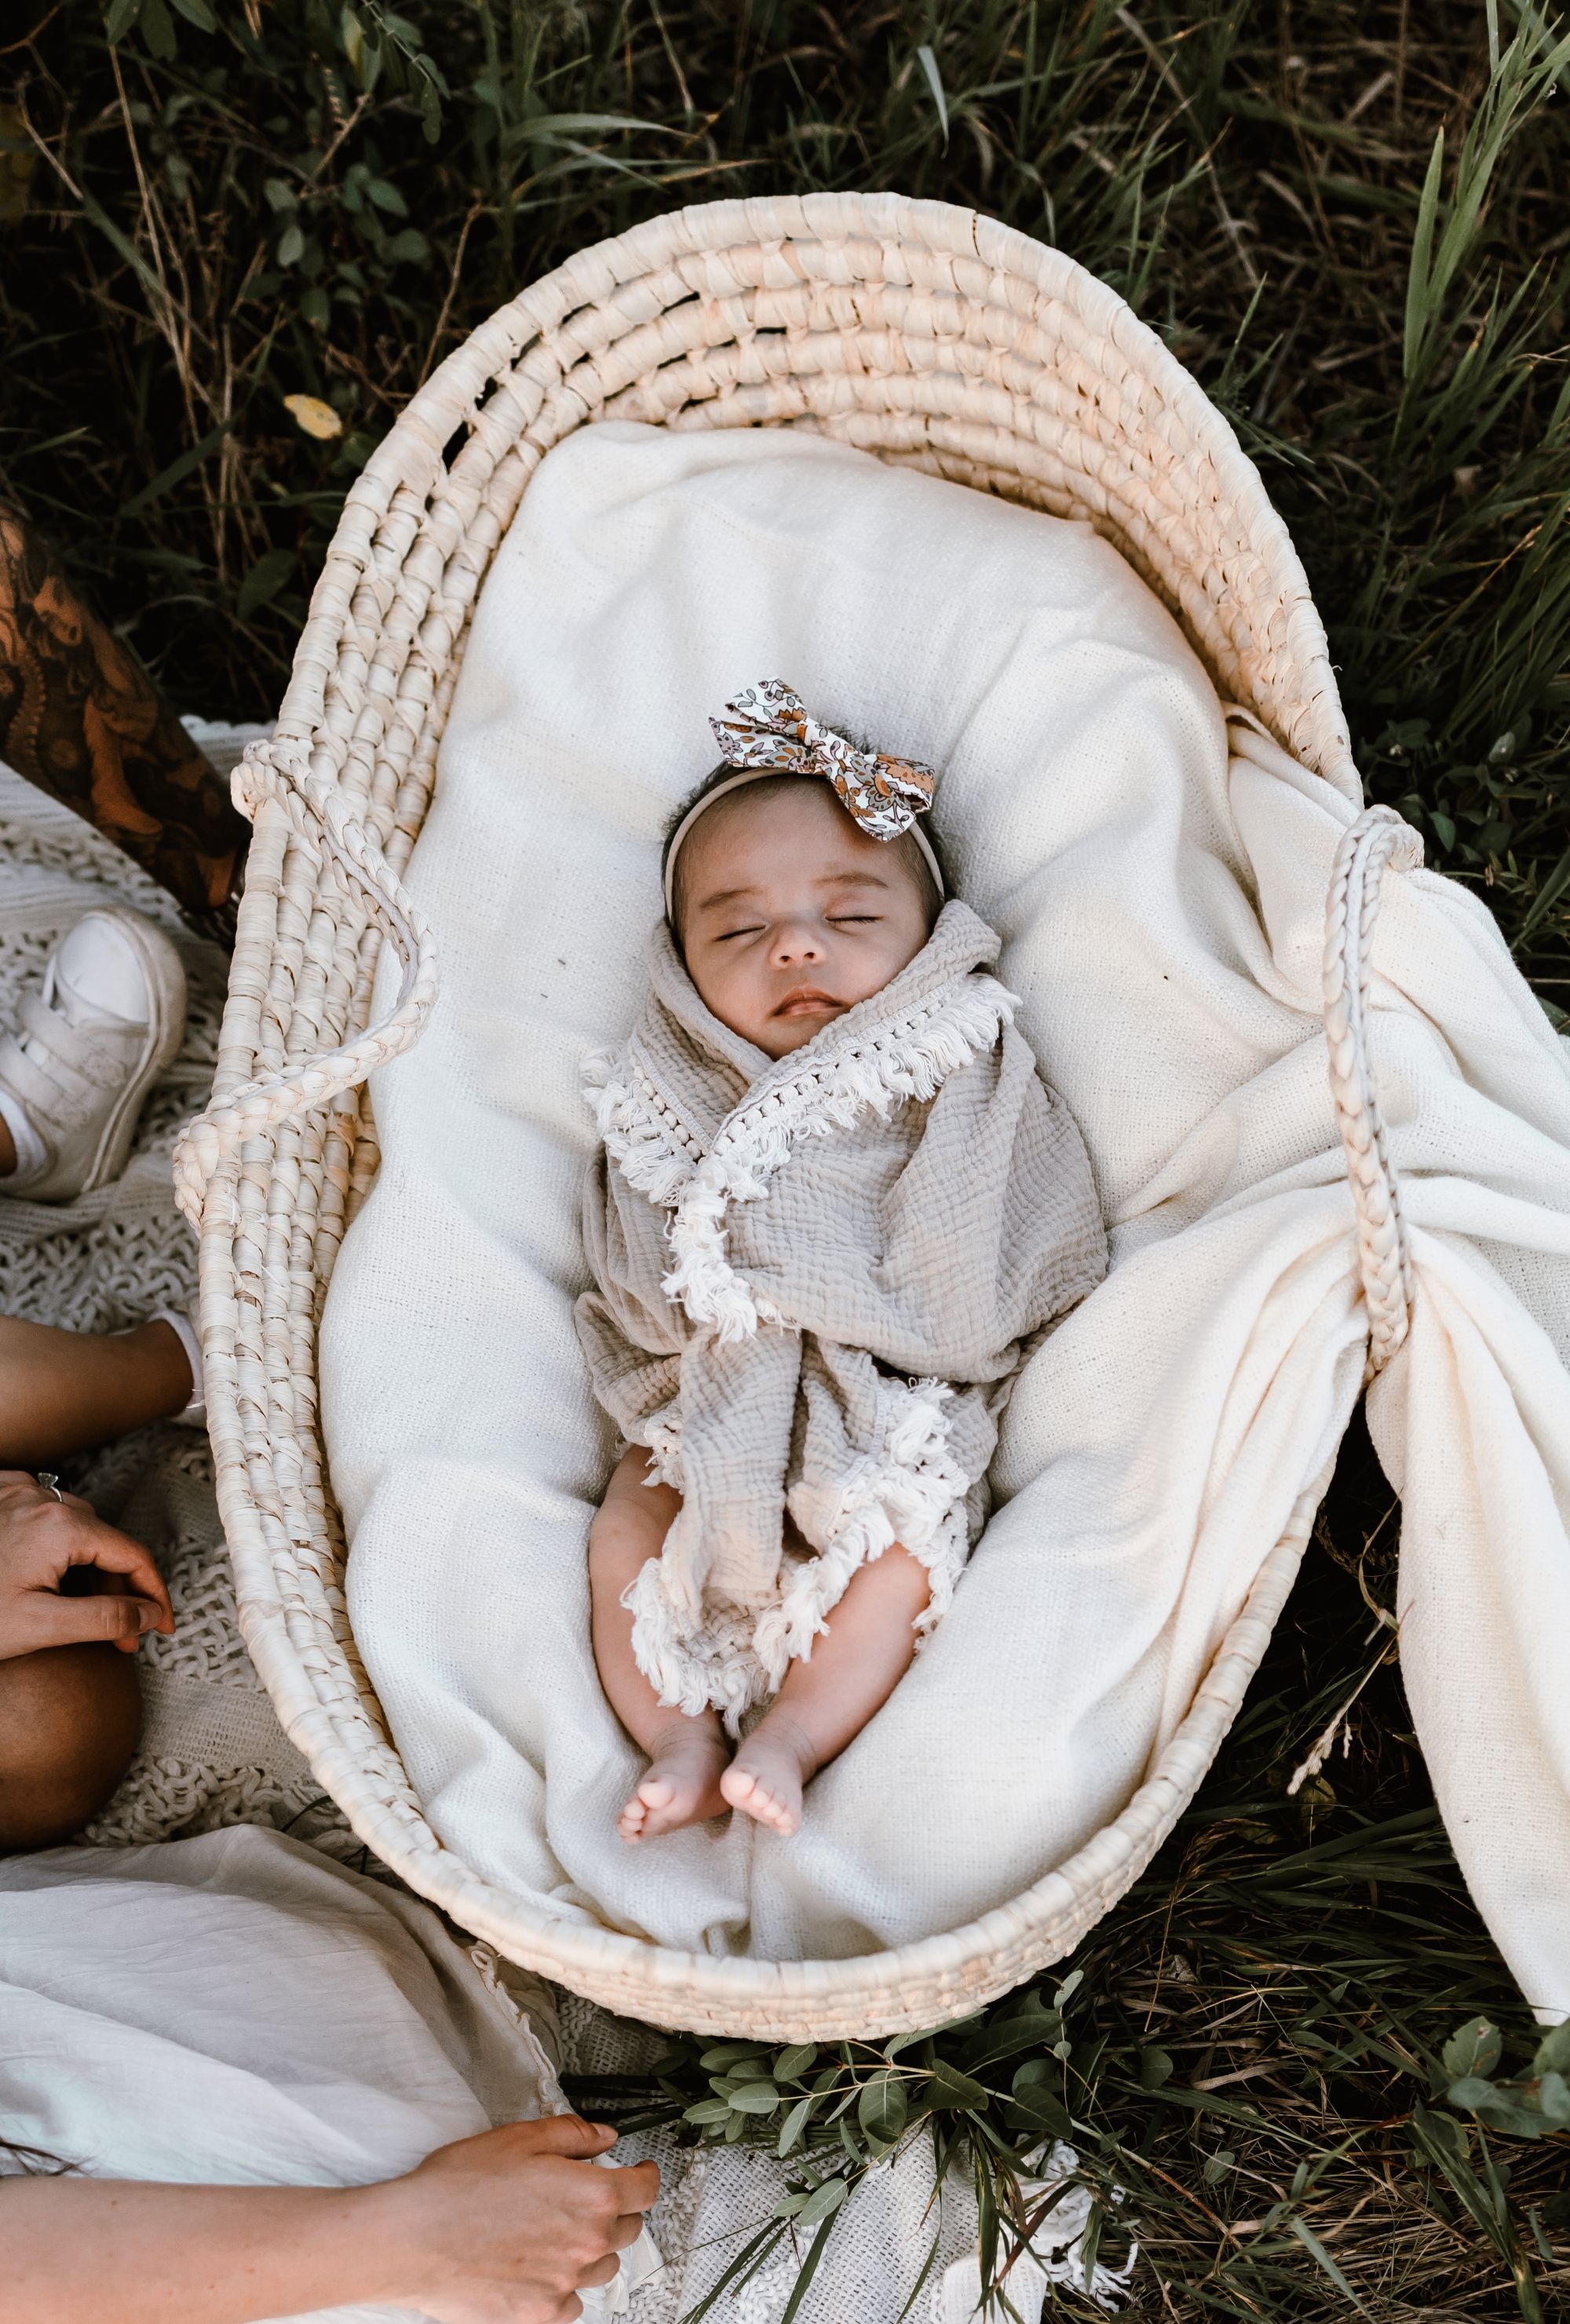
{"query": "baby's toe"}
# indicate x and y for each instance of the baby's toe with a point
(656, 1791)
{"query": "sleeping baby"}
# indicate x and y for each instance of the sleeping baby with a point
(833, 1205)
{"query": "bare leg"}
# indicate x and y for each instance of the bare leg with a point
(687, 1755)
(63, 1391)
(826, 1702)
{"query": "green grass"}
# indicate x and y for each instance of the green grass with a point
(1350, 222)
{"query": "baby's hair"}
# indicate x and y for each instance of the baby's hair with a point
(767, 787)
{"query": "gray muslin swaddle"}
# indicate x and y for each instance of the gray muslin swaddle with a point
(815, 1279)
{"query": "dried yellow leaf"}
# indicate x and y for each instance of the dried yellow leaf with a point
(317, 419)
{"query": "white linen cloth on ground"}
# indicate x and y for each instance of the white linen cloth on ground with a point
(235, 2009)
(1161, 895)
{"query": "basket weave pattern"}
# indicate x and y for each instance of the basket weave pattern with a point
(924, 333)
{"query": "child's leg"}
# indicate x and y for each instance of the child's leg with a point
(62, 1392)
(826, 1702)
(687, 1755)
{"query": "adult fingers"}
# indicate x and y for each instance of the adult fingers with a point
(565, 2134)
(116, 1553)
(601, 2272)
(636, 2186)
(45, 1619)
(624, 2230)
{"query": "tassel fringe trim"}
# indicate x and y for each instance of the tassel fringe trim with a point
(911, 1492)
(911, 1057)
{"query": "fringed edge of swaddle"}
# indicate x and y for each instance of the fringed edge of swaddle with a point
(869, 1072)
(909, 1491)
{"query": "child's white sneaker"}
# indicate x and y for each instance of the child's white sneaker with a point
(88, 1047)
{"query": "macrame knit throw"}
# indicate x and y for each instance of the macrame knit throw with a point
(814, 1279)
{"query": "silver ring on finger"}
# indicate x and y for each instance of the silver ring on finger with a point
(47, 1479)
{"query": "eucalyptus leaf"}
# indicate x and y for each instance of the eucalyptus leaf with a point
(823, 2202)
(792, 2063)
(1155, 2068)
(794, 2125)
(947, 2087)
(884, 2108)
(756, 2097)
(1475, 2049)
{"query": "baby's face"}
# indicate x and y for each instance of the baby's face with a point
(791, 914)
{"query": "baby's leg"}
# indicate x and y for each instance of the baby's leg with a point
(824, 1703)
(687, 1755)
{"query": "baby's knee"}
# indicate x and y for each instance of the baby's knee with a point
(70, 1718)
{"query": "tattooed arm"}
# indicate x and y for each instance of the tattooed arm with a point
(80, 717)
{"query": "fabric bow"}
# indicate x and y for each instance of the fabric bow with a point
(770, 726)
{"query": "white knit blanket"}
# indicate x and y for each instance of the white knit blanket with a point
(1160, 881)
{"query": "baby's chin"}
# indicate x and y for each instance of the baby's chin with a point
(782, 1037)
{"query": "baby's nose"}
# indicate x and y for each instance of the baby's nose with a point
(796, 941)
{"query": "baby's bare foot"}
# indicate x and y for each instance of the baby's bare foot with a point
(682, 1785)
(765, 1778)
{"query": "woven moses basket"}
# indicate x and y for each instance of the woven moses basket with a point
(922, 333)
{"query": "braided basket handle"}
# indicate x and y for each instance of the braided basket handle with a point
(278, 770)
(1377, 840)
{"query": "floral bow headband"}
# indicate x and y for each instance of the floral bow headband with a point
(771, 731)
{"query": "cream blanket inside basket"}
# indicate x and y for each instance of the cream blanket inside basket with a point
(1162, 900)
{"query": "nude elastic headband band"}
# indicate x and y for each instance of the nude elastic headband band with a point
(770, 732)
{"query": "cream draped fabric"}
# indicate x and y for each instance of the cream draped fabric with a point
(1158, 876)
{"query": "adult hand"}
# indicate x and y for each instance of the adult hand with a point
(508, 2228)
(44, 1541)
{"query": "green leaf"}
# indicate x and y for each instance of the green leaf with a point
(882, 2109)
(409, 248)
(178, 470)
(1554, 2051)
(292, 245)
(315, 307)
(794, 2125)
(263, 581)
(1041, 2108)
(1475, 2049)
(1069, 1987)
(823, 2202)
(949, 2088)
(1310, 2241)
(809, 2265)
(792, 2063)
(197, 12)
(1547, 895)
(1155, 2068)
(157, 29)
(1216, 2166)
(122, 16)
(1006, 2037)
(280, 194)
(756, 2097)
(1471, 2090)
(1553, 2097)
(1420, 300)
(727, 2053)
(386, 197)
(709, 2110)
(928, 64)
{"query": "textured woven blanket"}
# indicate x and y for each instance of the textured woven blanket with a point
(814, 1277)
(1158, 874)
